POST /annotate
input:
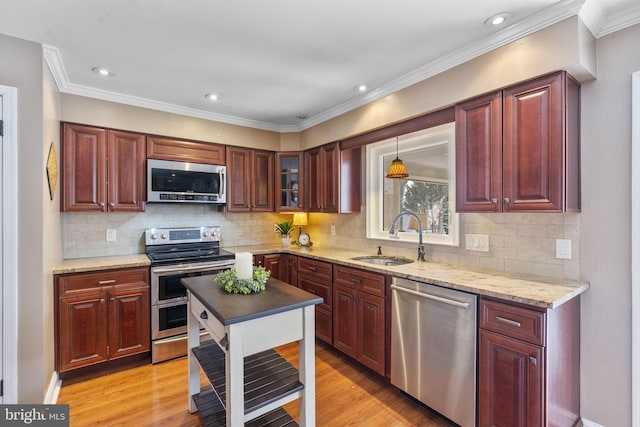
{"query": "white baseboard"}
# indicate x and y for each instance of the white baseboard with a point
(51, 397)
(587, 423)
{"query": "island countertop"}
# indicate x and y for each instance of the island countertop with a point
(234, 308)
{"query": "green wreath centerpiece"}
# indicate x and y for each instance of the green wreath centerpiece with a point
(229, 282)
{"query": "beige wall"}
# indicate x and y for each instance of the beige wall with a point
(606, 225)
(24, 71)
(80, 109)
(51, 220)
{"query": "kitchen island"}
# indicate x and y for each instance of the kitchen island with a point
(250, 381)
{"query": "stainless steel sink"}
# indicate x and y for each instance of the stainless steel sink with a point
(383, 260)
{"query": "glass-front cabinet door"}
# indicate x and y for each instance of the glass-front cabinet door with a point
(289, 181)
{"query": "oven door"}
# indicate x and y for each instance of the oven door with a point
(165, 280)
(168, 319)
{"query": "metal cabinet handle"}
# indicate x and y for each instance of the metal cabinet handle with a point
(313, 269)
(494, 201)
(508, 321)
(356, 280)
(533, 360)
(204, 315)
(101, 204)
(106, 282)
(507, 200)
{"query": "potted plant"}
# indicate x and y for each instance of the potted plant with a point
(284, 228)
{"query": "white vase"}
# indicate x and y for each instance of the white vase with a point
(285, 241)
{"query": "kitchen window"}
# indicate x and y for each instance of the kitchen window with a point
(429, 191)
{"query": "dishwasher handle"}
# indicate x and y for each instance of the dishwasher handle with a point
(431, 297)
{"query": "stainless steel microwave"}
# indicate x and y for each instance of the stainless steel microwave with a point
(182, 182)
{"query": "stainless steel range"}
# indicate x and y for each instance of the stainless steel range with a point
(176, 253)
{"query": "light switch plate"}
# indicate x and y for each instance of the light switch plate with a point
(563, 249)
(111, 235)
(333, 230)
(477, 242)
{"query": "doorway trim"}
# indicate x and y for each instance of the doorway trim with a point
(635, 248)
(9, 215)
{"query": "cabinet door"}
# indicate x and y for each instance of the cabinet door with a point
(345, 320)
(511, 382)
(84, 160)
(238, 179)
(127, 171)
(289, 184)
(533, 145)
(331, 178)
(370, 324)
(274, 263)
(82, 330)
(262, 181)
(479, 154)
(179, 150)
(313, 180)
(290, 270)
(129, 314)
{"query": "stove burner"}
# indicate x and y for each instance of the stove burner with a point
(190, 245)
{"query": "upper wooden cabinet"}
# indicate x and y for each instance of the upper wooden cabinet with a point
(289, 182)
(332, 179)
(103, 170)
(159, 147)
(518, 149)
(250, 180)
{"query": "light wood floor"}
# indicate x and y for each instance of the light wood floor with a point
(156, 395)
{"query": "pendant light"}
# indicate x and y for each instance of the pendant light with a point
(397, 170)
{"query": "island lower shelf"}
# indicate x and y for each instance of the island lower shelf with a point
(268, 378)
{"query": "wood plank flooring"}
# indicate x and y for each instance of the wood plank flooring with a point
(156, 395)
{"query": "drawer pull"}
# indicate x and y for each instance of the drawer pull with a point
(204, 315)
(106, 282)
(356, 280)
(533, 360)
(508, 321)
(313, 269)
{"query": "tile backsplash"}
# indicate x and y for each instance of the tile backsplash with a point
(522, 243)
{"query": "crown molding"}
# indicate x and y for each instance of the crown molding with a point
(590, 13)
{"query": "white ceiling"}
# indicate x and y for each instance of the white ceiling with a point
(271, 62)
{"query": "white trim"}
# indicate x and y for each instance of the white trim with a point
(635, 248)
(587, 423)
(51, 396)
(10, 244)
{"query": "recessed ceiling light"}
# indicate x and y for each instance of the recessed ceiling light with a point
(497, 19)
(102, 71)
(361, 88)
(211, 96)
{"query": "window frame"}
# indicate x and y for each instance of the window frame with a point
(375, 182)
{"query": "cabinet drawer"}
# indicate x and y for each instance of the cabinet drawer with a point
(316, 270)
(207, 319)
(83, 281)
(358, 279)
(320, 289)
(516, 322)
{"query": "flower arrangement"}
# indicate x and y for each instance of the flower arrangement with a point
(284, 228)
(230, 283)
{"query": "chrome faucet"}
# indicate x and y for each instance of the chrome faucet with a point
(392, 231)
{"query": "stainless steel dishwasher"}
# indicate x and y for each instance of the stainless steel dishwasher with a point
(433, 347)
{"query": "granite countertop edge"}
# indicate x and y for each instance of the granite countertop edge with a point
(527, 289)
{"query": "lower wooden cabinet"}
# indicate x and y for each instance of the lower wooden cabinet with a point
(101, 316)
(316, 277)
(528, 365)
(359, 316)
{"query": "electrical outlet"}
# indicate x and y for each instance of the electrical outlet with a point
(333, 230)
(477, 242)
(563, 249)
(111, 234)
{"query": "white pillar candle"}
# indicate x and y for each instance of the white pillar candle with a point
(244, 265)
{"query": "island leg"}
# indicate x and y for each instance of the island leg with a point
(307, 369)
(234, 361)
(193, 339)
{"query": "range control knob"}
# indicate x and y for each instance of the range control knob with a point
(164, 236)
(154, 236)
(205, 233)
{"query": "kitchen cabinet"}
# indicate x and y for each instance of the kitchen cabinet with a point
(272, 262)
(250, 180)
(290, 270)
(180, 150)
(317, 277)
(529, 365)
(359, 316)
(289, 182)
(102, 170)
(322, 178)
(101, 316)
(517, 149)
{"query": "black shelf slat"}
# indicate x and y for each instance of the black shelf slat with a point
(267, 375)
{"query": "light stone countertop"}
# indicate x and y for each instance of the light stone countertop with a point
(527, 289)
(80, 265)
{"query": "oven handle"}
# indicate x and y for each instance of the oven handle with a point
(190, 268)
